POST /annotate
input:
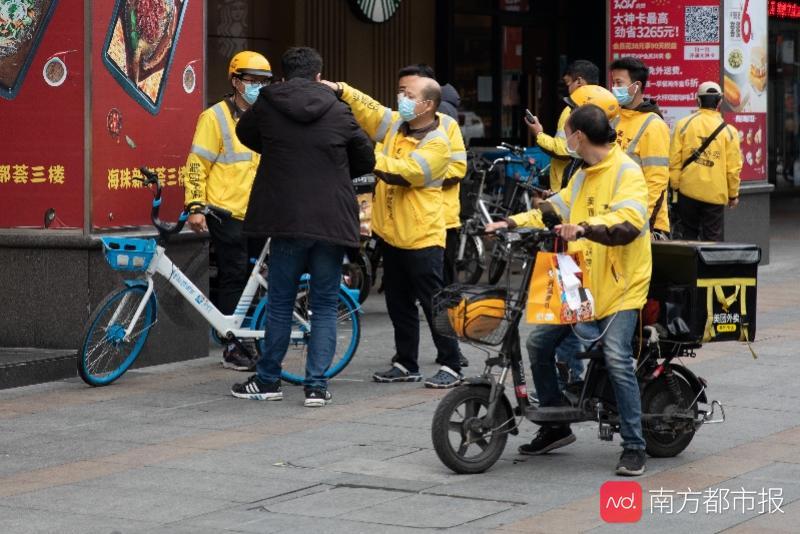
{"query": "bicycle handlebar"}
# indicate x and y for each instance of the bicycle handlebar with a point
(516, 149)
(164, 228)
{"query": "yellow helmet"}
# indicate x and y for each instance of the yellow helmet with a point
(597, 95)
(479, 317)
(248, 62)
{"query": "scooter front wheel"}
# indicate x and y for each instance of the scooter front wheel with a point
(464, 439)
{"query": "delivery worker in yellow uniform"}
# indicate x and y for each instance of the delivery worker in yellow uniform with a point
(408, 214)
(605, 203)
(221, 173)
(578, 74)
(456, 171)
(644, 136)
(602, 98)
(704, 165)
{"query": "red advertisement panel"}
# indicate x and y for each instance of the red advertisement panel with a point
(41, 112)
(678, 39)
(745, 81)
(146, 96)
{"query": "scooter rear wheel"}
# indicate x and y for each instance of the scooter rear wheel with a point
(463, 439)
(661, 440)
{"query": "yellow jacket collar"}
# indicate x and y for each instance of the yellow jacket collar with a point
(604, 164)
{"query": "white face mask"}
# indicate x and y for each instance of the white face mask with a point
(573, 152)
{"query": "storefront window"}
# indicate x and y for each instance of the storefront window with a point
(784, 87)
(511, 111)
(473, 74)
(513, 5)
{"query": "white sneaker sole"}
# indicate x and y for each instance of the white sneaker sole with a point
(259, 396)
(624, 472)
(382, 380)
(234, 367)
(316, 403)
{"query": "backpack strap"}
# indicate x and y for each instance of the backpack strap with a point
(697, 153)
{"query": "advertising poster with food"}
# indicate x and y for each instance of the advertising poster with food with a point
(678, 39)
(745, 81)
(41, 95)
(146, 97)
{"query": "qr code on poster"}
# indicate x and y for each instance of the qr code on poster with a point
(702, 24)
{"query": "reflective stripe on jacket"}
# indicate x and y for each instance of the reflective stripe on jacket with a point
(220, 168)
(455, 172)
(556, 148)
(714, 176)
(645, 138)
(610, 200)
(408, 211)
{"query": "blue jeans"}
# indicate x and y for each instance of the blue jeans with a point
(618, 352)
(541, 344)
(619, 361)
(288, 260)
(566, 352)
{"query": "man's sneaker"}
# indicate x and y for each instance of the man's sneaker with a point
(445, 378)
(631, 463)
(397, 373)
(316, 398)
(547, 439)
(255, 389)
(234, 358)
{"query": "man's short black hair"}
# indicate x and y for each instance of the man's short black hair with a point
(636, 68)
(709, 101)
(417, 69)
(301, 62)
(580, 68)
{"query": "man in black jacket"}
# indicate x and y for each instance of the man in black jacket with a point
(303, 199)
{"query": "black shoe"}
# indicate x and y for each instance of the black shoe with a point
(463, 361)
(631, 463)
(234, 358)
(255, 389)
(316, 398)
(397, 373)
(547, 439)
(446, 378)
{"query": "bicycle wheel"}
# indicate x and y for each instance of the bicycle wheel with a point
(497, 265)
(348, 335)
(358, 275)
(469, 268)
(105, 353)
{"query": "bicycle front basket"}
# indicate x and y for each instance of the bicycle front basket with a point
(478, 314)
(129, 253)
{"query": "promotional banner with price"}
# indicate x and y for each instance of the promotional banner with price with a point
(745, 81)
(678, 39)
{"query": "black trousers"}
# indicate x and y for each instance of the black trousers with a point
(700, 220)
(233, 251)
(450, 256)
(408, 276)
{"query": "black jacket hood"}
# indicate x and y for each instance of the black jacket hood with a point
(649, 105)
(299, 99)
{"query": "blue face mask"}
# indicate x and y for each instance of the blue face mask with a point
(406, 107)
(250, 93)
(622, 95)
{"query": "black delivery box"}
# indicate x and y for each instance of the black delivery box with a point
(707, 291)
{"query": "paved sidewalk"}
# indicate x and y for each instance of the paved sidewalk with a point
(167, 449)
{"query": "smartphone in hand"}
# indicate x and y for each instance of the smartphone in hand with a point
(530, 117)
